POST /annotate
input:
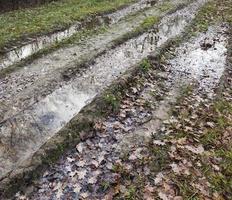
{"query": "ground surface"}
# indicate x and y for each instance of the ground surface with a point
(157, 92)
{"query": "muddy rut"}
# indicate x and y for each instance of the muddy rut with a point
(33, 45)
(44, 75)
(83, 172)
(50, 91)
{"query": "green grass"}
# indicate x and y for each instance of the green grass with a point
(18, 24)
(165, 6)
(145, 65)
(112, 101)
(149, 22)
(75, 39)
(145, 25)
(131, 193)
(221, 181)
(185, 189)
(212, 12)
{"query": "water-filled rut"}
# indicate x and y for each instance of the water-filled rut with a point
(80, 173)
(34, 81)
(25, 132)
(31, 47)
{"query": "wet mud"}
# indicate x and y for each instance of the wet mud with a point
(23, 84)
(18, 53)
(24, 131)
(202, 59)
(83, 172)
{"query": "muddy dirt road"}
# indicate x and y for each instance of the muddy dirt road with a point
(44, 103)
(84, 170)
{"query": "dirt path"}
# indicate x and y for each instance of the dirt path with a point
(112, 163)
(44, 75)
(52, 112)
(156, 132)
(28, 48)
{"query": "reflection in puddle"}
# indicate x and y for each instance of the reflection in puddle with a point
(34, 126)
(42, 42)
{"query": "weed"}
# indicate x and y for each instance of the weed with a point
(105, 185)
(165, 6)
(145, 65)
(159, 157)
(131, 193)
(149, 22)
(112, 101)
(209, 138)
(185, 189)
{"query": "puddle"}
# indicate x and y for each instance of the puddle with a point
(31, 128)
(32, 82)
(203, 59)
(42, 42)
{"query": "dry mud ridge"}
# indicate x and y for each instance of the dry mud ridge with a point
(110, 117)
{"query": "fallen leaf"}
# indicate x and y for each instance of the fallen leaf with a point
(80, 163)
(210, 124)
(148, 193)
(79, 147)
(81, 174)
(163, 196)
(70, 159)
(196, 150)
(76, 188)
(175, 168)
(159, 177)
(84, 195)
(92, 180)
(178, 198)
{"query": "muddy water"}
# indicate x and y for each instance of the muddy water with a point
(38, 79)
(31, 128)
(81, 172)
(32, 82)
(203, 59)
(39, 43)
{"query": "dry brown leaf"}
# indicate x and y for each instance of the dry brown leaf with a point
(148, 193)
(197, 150)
